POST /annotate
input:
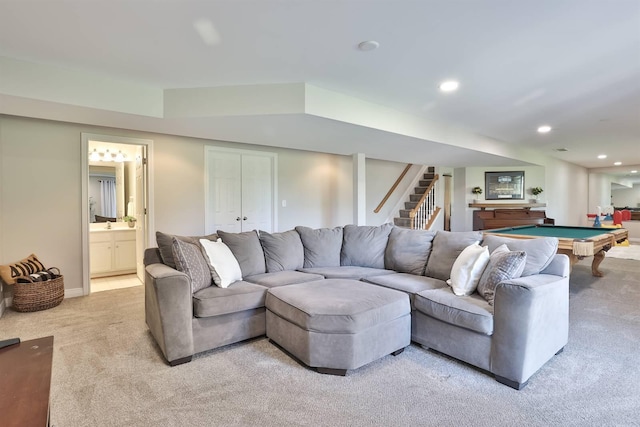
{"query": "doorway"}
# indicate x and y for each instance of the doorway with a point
(116, 192)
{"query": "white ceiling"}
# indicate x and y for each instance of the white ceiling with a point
(572, 64)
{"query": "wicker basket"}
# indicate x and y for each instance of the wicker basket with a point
(38, 296)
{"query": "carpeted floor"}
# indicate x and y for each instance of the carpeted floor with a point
(108, 372)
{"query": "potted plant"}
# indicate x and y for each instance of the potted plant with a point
(476, 191)
(536, 191)
(131, 221)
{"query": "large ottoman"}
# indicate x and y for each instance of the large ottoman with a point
(338, 324)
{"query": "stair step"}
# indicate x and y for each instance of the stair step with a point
(410, 205)
(425, 182)
(419, 190)
(402, 222)
(404, 213)
(415, 197)
(429, 175)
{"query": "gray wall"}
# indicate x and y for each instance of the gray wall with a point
(40, 188)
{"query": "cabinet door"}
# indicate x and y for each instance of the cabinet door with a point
(100, 257)
(125, 255)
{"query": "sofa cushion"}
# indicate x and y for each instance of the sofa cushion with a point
(447, 245)
(321, 246)
(282, 251)
(503, 265)
(239, 296)
(247, 250)
(409, 283)
(354, 273)
(408, 250)
(539, 251)
(165, 245)
(471, 312)
(190, 260)
(364, 246)
(467, 269)
(281, 278)
(223, 265)
(337, 306)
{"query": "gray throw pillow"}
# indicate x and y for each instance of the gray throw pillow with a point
(447, 245)
(282, 251)
(503, 265)
(539, 251)
(364, 246)
(321, 246)
(247, 250)
(165, 245)
(191, 261)
(408, 250)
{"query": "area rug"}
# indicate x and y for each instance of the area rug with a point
(625, 252)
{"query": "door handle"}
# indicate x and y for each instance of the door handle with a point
(238, 219)
(244, 219)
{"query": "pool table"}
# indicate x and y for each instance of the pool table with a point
(576, 242)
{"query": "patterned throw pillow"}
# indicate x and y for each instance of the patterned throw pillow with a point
(25, 267)
(190, 260)
(503, 265)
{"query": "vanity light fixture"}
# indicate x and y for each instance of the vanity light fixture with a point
(94, 156)
(119, 157)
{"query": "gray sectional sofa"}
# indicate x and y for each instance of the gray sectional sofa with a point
(317, 293)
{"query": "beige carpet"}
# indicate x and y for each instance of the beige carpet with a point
(108, 372)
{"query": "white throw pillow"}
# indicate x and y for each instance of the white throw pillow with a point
(467, 269)
(224, 266)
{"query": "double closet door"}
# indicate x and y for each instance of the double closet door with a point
(240, 190)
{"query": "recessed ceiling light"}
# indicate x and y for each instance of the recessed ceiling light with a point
(602, 156)
(617, 163)
(449, 86)
(368, 45)
(544, 129)
(634, 171)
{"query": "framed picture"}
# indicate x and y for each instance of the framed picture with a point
(504, 185)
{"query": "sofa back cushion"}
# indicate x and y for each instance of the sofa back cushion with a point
(282, 251)
(321, 246)
(539, 251)
(408, 250)
(364, 246)
(447, 245)
(247, 250)
(165, 245)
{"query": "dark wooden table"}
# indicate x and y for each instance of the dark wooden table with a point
(25, 381)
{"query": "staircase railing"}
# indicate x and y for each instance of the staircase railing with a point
(426, 211)
(393, 187)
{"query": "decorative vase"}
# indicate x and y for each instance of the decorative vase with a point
(131, 224)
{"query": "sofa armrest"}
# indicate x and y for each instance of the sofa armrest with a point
(531, 324)
(169, 311)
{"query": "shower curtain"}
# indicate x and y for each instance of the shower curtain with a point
(108, 197)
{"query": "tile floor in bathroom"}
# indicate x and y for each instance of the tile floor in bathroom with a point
(110, 283)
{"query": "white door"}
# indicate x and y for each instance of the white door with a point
(140, 209)
(240, 188)
(257, 193)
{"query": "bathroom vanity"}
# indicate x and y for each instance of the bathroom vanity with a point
(113, 251)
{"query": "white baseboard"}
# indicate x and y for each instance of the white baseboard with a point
(73, 293)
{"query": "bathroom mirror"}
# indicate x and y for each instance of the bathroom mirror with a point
(106, 191)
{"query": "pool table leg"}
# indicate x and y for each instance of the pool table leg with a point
(597, 259)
